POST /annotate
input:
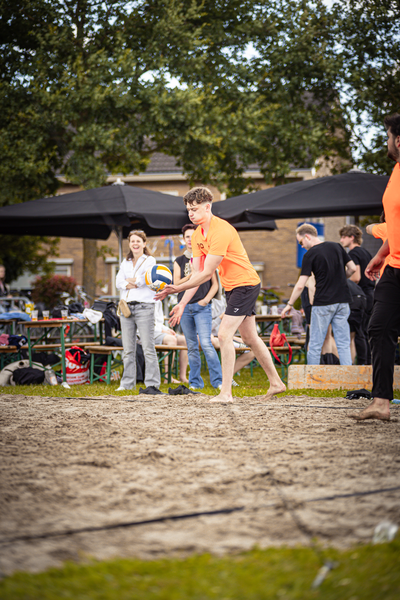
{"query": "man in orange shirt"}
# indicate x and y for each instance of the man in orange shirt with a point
(384, 326)
(217, 245)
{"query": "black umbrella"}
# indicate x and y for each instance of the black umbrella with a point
(96, 213)
(246, 226)
(353, 193)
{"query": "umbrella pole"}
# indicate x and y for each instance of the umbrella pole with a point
(118, 232)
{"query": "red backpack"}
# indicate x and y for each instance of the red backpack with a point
(279, 339)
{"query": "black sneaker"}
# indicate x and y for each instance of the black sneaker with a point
(182, 390)
(151, 391)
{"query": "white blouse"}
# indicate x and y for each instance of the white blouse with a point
(142, 293)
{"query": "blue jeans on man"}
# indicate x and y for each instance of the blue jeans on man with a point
(196, 321)
(321, 317)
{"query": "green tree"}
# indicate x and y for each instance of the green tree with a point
(368, 44)
(88, 88)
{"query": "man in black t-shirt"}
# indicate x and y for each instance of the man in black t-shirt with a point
(351, 239)
(331, 266)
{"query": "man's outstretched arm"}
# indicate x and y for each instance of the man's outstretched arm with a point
(298, 288)
(190, 287)
(198, 277)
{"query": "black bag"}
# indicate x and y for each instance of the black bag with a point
(27, 376)
(56, 312)
(100, 305)
(112, 341)
(329, 359)
(45, 358)
(17, 340)
(75, 307)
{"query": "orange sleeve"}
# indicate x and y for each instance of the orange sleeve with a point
(379, 231)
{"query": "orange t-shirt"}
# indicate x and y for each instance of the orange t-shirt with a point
(391, 205)
(379, 231)
(222, 239)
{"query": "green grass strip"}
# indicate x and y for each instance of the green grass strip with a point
(248, 386)
(362, 573)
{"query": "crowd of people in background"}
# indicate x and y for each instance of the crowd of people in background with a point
(344, 308)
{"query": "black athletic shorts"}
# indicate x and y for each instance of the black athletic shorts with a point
(242, 300)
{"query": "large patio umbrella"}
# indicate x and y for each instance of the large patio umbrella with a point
(260, 225)
(95, 213)
(353, 193)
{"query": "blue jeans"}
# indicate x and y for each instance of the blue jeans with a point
(321, 317)
(196, 321)
(142, 320)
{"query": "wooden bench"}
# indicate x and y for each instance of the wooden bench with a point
(111, 361)
(9, 354)
(108, 351)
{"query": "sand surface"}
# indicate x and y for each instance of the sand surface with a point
(91, 462)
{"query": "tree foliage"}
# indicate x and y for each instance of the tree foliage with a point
(49, 289)
(89, 88)
(368, 44)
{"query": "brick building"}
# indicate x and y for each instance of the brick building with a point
(273, 253)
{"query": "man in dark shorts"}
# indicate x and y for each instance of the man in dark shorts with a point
(217, 245)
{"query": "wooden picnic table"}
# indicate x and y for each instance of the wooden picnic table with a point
(267, 319)
(43, 342)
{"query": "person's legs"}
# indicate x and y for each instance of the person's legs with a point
(202, 318)
(383, 332)
(368, 313)
(357, 326)
(128, 331)
(321, 317)
(242, 360)
(144, 316)
(248, 332)
(167, 340)
(189, 331)
(183, 358)
(226, 332)
(341, 332)
(178, 340)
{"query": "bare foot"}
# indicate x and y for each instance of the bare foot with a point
(173, 380)
(222, 398)
(275, 389)
(379, 409)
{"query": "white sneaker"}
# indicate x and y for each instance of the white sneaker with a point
(121, 389)
(234, 383)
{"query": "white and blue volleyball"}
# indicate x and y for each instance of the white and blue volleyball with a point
(158, 277)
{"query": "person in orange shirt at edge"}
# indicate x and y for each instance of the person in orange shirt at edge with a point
(384, 325)
(217, 245)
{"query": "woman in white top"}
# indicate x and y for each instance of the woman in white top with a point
(140, 298)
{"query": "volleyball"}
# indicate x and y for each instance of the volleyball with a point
(158, 277)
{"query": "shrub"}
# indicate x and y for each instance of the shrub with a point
(48, 289)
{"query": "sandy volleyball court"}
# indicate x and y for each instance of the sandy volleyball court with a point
(90, 462)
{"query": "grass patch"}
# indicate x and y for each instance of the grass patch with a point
(255, 385)
(362, 573)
